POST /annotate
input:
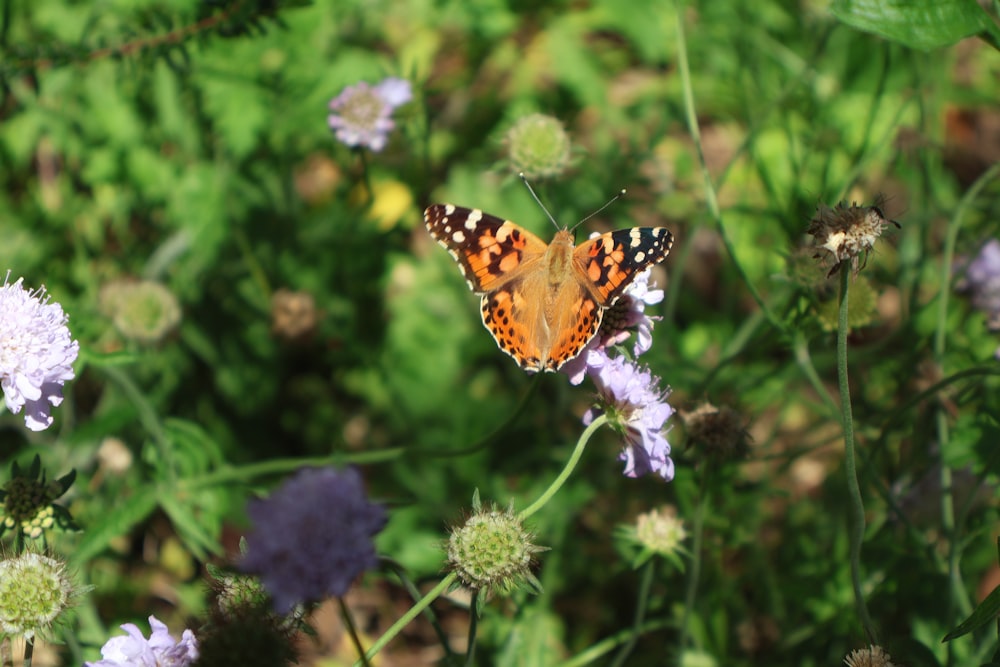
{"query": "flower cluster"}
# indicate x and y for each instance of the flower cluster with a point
(629, 394)
(134, 650)
(980, 279)
(34, 591)
(312, 537)
(873, 656)
(637, 408)
(362, 114)
(36, 352)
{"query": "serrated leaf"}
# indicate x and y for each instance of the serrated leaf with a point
(119, 521)
(920, 24)
(986, 612)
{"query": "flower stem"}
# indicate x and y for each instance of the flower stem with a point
(640, 613)
(405, 619)
(567, 470)
(856, 516)
(470, 656)
(352, 630)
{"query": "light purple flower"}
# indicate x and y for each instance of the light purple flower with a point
(981, 278)
(362, 114)
(36, 353)
(312, 537)
(627, 314)
(637, 408)
(160, 650)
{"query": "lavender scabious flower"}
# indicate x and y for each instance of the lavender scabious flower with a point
(160, 650)
(981, 278)
(627, 314)
(637, 408)
(36, 353)
(361, 114)
(312, 537)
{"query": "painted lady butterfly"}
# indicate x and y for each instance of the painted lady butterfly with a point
(543, 302)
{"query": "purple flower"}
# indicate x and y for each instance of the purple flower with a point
(981, 278)
(627, 314)
(160, 650)
(637, 408)
(312, 537)
(36, 353)
(362, 113)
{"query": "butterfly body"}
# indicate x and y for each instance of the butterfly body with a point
(542, 302)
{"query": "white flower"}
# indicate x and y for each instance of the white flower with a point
(36, 353)
(160, 650)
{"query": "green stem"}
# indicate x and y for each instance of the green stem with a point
(697, 534)
(608, 644)
(405, 619)
(470, 656)
(567, 470)
(352, 630)
(640, 612)
(856, 513)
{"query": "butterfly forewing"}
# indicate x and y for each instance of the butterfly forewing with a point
(490, 251)
(609, 262)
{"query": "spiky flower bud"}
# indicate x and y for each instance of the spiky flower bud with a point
(492, 552)
(26, 501)
(538, 146)
(660, 530)
(719, 431)
(873, 656)
(293, 315)
(242, 627)
(143, 311)
(34, 591)
(844, 233)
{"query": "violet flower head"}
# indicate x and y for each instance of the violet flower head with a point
(160, 650)
(637, 408)
(36, 352)
(312, 537)
(628, 314)
(981, 278)
(362, 114)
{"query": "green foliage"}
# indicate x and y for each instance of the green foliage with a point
(185, 143)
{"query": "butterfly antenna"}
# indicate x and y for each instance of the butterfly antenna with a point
(609, 203)
(539, 201)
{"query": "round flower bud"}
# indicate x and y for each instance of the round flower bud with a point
(492, 552)
(843, 233)
(34, 591)
(538, 146)
(143, 311)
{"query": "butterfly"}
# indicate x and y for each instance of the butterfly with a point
(543, 302)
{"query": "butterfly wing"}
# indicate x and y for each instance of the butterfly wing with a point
(490, 251)
(496, 257)
(608, 263)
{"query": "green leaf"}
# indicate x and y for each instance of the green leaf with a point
(986, 612)
(118, 521)
(196, 538)
(920, 24)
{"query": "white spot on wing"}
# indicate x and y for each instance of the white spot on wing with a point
(457, 237)
(475, 215)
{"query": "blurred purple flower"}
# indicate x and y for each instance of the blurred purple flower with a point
(637, 408)
(362, 113)
(626, 315)
(160, 650)
(36, 353)
(312, 537)
(981, 278)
